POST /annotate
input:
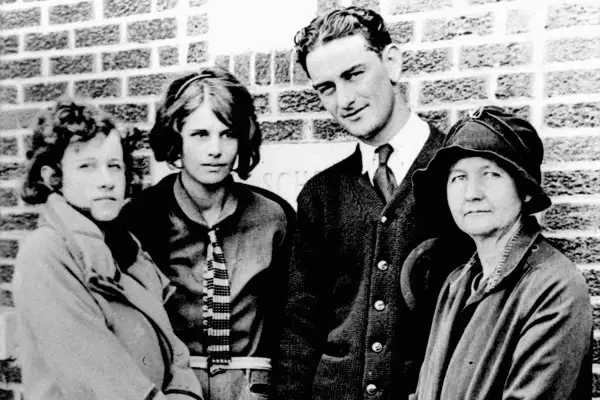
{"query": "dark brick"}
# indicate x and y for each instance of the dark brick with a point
(152, 29)
(9, 44)
(26, 68)
(445, 29)
(581, 250)
(24, 221)
(592, 277)
(70, 65)
(572, 14)
(595, 377)
(162, 5)
(572, 115)
(126, 59)
(261, 103)
(284, 130)
(577, 148)
(6, 273)
(98, 36)
(299, 75)
(299, 101)
(197, 25)
(572, 82)
(197, 52)
(44, 91)
(6, 299)
(569, 183)
(518, 21)
(282, 67)
(413, 6)
(6, 394)
(402, 32)
(17, 119)
(9, 197)
(22, 18)
(168, 55)
(197, 3)
(9, 146)
(8, 95)
(10, 371)
(572, 216)
(496, 55)
(514, 85)
(121, 8)
(8, 248)
(147, 85)
(241, 67)
(223, 61)
(453, 90)
(426, 61)
(572, 49)
(49, 41)
(438, 118)
(96, 88)
(129, 113)
(329, 129)
(262, 68)
(65, 13)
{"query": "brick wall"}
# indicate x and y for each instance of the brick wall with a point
(541, 60)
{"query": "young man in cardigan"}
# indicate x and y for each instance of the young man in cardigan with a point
(349, 332)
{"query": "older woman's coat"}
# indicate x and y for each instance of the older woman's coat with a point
(527, 338)
(90, 330)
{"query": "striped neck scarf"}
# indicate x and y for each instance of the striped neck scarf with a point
(216, 308)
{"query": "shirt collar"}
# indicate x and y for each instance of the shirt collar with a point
(411, 133)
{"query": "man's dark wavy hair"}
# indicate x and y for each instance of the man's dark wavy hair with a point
(70, 121)
(341, 23)
(229, 100)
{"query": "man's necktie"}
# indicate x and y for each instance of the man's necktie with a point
(216, 308)
(384, 180)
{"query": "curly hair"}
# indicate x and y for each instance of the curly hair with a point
(341, 23)
(231, 103)
(70, 121)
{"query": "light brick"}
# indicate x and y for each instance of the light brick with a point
(438, 118)
(44, 91)
(572, 148)
(197, 52)
(581, 251)
(572, 82)
(21, 18)
(575, 115)
(329, 129)
(98, 36)
(197, 3)
(98, 88)
(284, 130)
(128, 113)
(6, 299)
(70, 65)
(197, 25)
(426, 61)
(572, 14)
(9, 44)
(446, 29)
(6, 272)
(8, 94)
(262, 104)
(122, 8)
(413, 6)
(241, 67)
(262, 68)
(514, 86)
(371, 4)
(9, 197)
(23, 221)
(153, 29)
(324, 6)
(453, 90)
(572, 49)
(25, 68)
(162, 5)
(572, 217)
(147, 85)
(8, 248)
(496, 55)
(9, 146)
(17, 119)
(223, 61)
(485, 1)
(126, 59)
(66, 13)
(299, 101)
(571, 183)
(402, 32)
(518, 21)
(282, 67)
(168, 55)
(48, 41)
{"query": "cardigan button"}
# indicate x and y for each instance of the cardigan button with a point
(379, 305)
(377, 347)
(382, 265)
(383, 219)
(371, 389)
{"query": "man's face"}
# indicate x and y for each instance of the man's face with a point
(355, 86)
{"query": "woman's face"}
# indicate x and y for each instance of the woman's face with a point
(482, 197)
(93, 176)
(209, 147)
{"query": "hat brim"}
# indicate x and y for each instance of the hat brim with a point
(430, 182)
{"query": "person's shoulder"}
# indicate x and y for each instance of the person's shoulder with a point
(268, 203)
(150, 201)
(326, 179)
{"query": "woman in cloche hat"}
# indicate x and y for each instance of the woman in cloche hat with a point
(514, 322)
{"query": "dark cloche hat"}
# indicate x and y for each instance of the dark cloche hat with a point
(493, 133)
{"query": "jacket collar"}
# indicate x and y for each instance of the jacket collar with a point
(62, 217)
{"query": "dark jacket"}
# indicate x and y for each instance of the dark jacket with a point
(347, 325)
(527, 338)
(256, 240)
